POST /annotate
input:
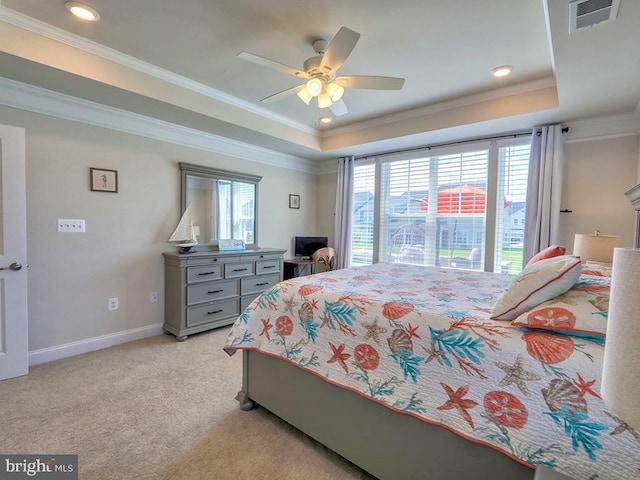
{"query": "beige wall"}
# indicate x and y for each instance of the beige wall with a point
(597, 173)
(71, 276)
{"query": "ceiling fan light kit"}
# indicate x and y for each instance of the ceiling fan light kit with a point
(324, 100)
(304, 95)
(320, 74)
(314, 87)
(335, 91)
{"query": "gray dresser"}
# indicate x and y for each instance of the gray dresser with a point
(209, 289)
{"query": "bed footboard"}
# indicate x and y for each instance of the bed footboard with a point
(385, 443)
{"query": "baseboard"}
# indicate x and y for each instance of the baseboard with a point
(44, 355)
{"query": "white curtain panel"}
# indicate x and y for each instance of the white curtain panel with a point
(544, 190)
(344, 207)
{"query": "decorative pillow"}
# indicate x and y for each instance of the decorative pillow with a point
(549, 252)
(582, 311)
(537, 283)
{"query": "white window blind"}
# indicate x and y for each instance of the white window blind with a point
(510, 214)
(363, 214)
(431, 208)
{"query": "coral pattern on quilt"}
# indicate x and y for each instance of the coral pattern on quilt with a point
(419, 340)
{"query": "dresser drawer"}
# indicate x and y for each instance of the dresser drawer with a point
(246, 301)
(211, 312)
(258, 284)
(207, 292)
(204, 273)
(206, 260)
(273, 256)
(241, 269)
(267, 266)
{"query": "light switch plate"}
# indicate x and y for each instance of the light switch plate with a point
(71, 225)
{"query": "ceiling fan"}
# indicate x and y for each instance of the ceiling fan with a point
(320, 70)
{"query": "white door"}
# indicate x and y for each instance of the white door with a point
(14, 358)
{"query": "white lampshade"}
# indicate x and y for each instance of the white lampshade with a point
(595, 247)
(335, 91)
(324, 100)
(314, 87)
(620, 387)
(305, 96)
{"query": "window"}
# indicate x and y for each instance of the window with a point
(441, 207)
(363, 214)
(513, 171)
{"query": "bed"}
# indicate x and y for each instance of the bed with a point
(401, 370)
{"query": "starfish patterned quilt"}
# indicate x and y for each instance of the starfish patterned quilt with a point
(419, 341)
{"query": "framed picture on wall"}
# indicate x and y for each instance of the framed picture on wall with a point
(294, 201)
(104, 180)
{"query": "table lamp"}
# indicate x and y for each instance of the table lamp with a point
(594, 247)
(620, 387)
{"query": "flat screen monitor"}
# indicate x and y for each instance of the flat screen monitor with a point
(305, 246)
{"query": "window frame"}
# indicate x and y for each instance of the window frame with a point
(492, 147)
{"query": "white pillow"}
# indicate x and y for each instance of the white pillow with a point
(537, 283)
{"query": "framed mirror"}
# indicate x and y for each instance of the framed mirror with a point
(224, 204)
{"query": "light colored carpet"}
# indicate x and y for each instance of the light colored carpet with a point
(157, 409)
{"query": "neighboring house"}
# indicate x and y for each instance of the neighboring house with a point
(514, 224)
(408, 218)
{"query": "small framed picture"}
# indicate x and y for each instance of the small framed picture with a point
(104, 180)
(294, 201)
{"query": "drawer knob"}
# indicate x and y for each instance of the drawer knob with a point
(216, 291)
(206, 273)
(240, 269)
(269, 266)
(214, 312)
(261, 283)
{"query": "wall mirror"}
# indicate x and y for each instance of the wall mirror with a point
(224, 204)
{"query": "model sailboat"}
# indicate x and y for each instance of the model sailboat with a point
(184, 236)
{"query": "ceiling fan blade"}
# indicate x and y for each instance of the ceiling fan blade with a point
(339, 108)
(338, 50)
(265, 62)
(370, 82)
(283, 94)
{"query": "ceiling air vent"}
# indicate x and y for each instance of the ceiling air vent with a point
(587, 13)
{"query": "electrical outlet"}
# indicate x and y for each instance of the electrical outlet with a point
(71, 225)
(154, 297)
(112, 304)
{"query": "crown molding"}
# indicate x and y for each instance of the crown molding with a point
(57, 34)
(600, 128)
(39, 100)
(458, 102)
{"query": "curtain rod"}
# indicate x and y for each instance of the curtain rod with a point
(471, 140)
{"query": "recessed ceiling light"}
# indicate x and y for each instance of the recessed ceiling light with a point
(82, 11)
(325, 120)
(502, 70)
